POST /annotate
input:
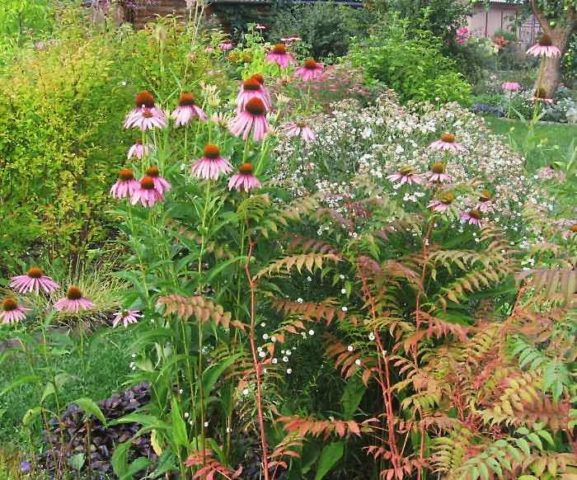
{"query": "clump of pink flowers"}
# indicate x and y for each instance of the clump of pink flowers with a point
(11, 311)
(472, 217)
(544, 48)
(74, 301)
(405, 175)
(447, 143)
(33, 281)
(146, 194)
(442, 203)
(160, 183)
(311, 70)
(279, 55)
(511, 86)
(126, 317)
(462, 35)
(252, 118)
(187, 110)
(146, 115)
(211, 165)
(244, 180)
(126, 184)
(252, 88)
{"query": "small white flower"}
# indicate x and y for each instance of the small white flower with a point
(274, 361)
(245, 392)
(265, 336)
(263, 324)
(273, 339)
(343, 290)
(205, 424)
(262, 354)
(228, 430)
(345, 309)
(289, 370)
(341, 276)
(285, 359)
(358, 362)
(186, 414)
(350, 348)
(300, 300)
(371, 336)
(311, 332)
(181, 391)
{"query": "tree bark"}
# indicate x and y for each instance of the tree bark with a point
(550, 70)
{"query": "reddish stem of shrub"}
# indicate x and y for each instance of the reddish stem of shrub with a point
(256, 363)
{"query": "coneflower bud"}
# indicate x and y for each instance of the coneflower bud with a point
(144, 98)
(74, 293)
(152, 171)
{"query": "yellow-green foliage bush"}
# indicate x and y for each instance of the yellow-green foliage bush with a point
(61, 136)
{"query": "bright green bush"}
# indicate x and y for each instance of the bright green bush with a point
(411, 64)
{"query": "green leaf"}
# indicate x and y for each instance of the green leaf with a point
(179, 434)
(352, 396)
(19, 381)
(31, 415)
(77, 461)
(119, 459)
(139, 464)
(211, 375)
(330, 455)
(90, 407)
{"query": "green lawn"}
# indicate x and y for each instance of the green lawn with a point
(546, 143)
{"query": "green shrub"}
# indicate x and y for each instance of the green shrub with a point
(411, 64)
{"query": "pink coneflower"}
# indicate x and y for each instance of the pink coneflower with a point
(253, 117)
(226, 46)
(311, 70)
(252, 88)
(33, 281)
(160, 183)
(11, 312)
(291, 39)
(260, 27)
(259, 77)
(485, 201)
(511, 86)
(405, 175)
(126, 317)
(125, 185)
(472, 217)
(145, 115)
(138, 150)
(544, 48)
(437, 173)
(447, 143)
(73, 302)
(244, 180)
(187, 110)
(146, 194)
(211, 165)
(280, 56)
(299, 129)
(443, 203)
(570, 232)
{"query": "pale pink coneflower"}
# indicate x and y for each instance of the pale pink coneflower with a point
(259, 77)
(126, 317)
(252, 88)
(73, 302)
(447, 144)
(405, 175)
(437, 173)
(310, 71)
(11, 311)
(146, 115)
(511, 86)
(187, 110)
(146, 194)
(226, 46)
(125, 185)
(299, 129)
(544, 48)
(244, 180)
(443, 203)
(280, 56)
(472, 217)
(211, 165)
(290, 40)
(485, 202)
(160, 183)
(33, 281)
(253, 117)
(260, 27)
(138, 150)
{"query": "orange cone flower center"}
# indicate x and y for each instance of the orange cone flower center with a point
(186, 99)
(9, 304)
(447, 198)
(310, 64)
(152, 171)
(211, 151)
(279, 49)
(144, 98)
(74, 293)
(259, 78)
(35, 272)
(476, 214)
(406, 170)
(574, 228)
(126, 174)
(147, 183)
(545, 40)
(448, 138)
(246, 169)
(255, 106)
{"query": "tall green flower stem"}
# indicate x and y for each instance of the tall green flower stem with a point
(256, 364)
